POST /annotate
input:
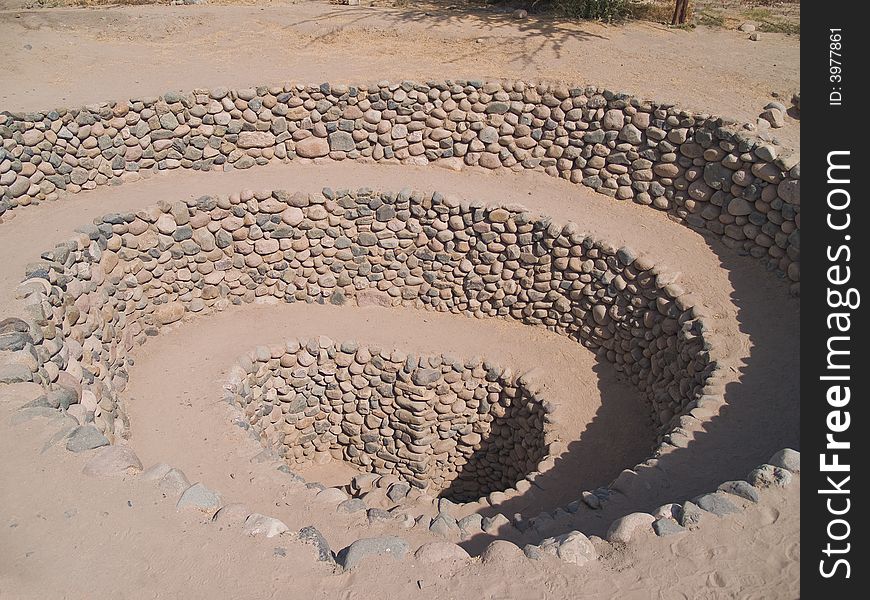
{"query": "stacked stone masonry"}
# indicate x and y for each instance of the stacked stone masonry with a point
(462, 428)
(93, 298)
(701, 169)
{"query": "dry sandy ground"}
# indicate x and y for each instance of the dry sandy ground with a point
(66, 536)
(68, 57)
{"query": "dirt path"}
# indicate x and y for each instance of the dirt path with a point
(121, 52)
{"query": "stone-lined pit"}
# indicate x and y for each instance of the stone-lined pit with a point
(456, 428)
(93, 298)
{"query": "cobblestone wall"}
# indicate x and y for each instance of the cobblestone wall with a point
(703, 170)
(462, 428)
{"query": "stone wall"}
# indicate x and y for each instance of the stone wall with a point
(91, 299)
(464, 428)
(703, 170)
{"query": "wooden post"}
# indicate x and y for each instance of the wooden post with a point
(681, 12)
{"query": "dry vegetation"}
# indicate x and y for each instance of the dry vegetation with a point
(774, 16)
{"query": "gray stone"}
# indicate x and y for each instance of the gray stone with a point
(15, 373)
(341, 141)
(471, 524)
(716, 503)
(369, 548)
(367, 238)
(572, 547)
(398, 491)
(631, 134)
(199, 497)
(24, 415)
(86, 437)
(788, 459)
(496, 524)
(378, 515)
(14, 341)
(740, 488)
(351, 506)
(665, 527)
(766, 152)
(311, 536)
(690, 516)
(769, 475)
(773, 115)
(444, 525)
(426, 376)
(739, 207)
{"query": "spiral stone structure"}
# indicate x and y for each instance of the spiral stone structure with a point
(463, 433)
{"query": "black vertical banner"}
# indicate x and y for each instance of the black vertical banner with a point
(835, 236)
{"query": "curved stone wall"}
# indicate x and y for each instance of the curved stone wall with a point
(94, 297)
(702, 169)
(461, 428)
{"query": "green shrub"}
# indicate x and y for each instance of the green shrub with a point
(600, 10)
